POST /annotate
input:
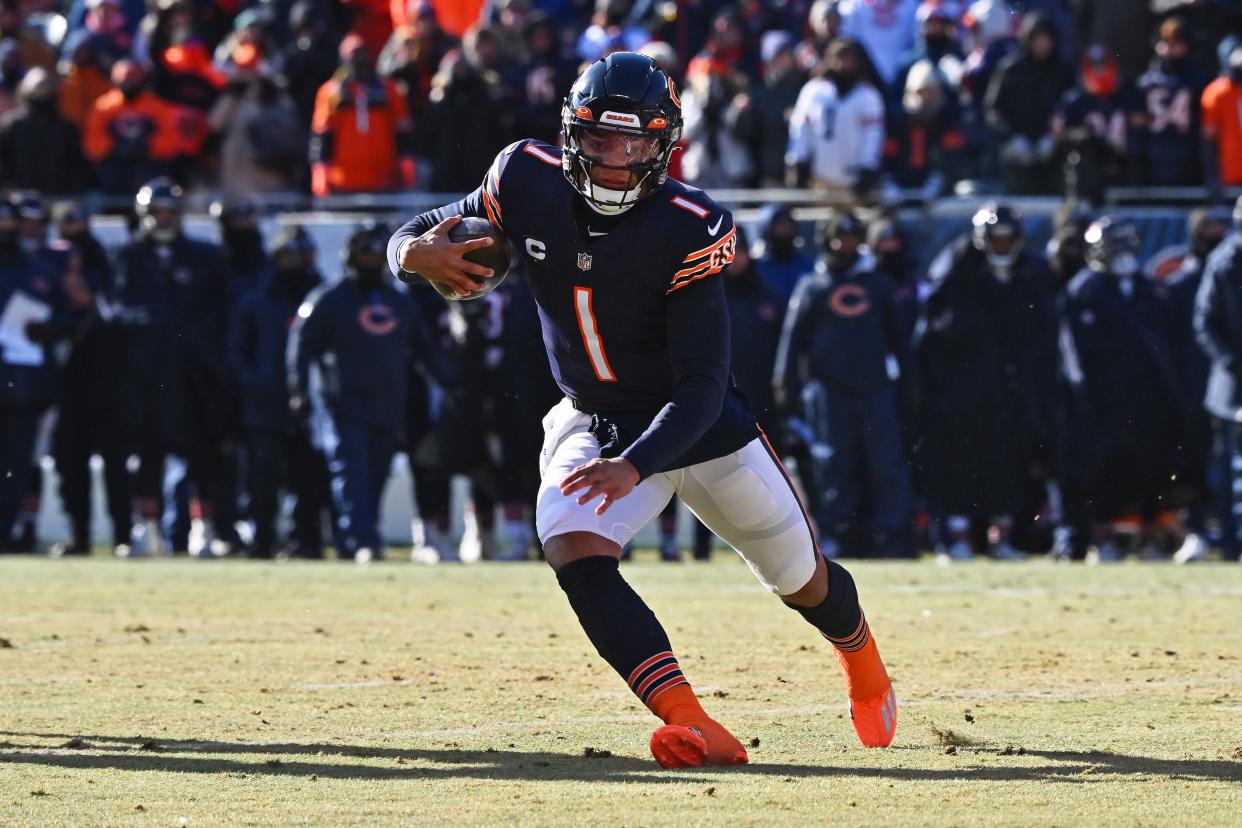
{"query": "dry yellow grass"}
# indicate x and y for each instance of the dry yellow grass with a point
(238, 693)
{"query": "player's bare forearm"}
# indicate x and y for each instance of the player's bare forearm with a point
(435, 258)
(613, 478)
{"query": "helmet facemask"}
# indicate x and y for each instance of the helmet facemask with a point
(643, 154)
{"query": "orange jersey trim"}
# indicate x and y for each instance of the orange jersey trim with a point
(591, 340)
(704, 275)
(701, 267)
(494, 191)
(725, 239)
(709, 261)
(493, 209)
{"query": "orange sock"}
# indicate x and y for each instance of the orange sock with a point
(678, 705)
(865, 676)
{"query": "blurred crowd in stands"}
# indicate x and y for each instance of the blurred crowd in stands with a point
(1008, 399)
(855, 97)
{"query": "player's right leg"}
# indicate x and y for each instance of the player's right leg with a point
(585, 550)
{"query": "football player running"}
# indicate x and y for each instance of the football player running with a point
(624, 264)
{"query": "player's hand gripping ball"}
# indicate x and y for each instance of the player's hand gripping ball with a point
(494, 256)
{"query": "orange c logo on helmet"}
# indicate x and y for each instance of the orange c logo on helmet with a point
(849, 300)
(672, 91)
(584, 112)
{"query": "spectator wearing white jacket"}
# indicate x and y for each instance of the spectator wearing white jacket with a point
(836, 133)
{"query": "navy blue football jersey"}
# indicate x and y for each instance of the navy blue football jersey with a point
(633, 311)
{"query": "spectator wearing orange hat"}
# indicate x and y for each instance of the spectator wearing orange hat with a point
(360, 130)
(189, 77)
(182, 71)
(132, 135)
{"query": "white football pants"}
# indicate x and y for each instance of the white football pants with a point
(745, 497)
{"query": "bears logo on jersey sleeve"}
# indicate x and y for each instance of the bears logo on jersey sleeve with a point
(718, 237)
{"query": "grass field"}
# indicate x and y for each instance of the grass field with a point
(181, 692)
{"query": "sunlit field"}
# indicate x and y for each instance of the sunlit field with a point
(184, 692)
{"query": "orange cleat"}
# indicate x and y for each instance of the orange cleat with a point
(695, 745)
(875, 719)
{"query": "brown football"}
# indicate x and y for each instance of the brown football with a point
(496, 256)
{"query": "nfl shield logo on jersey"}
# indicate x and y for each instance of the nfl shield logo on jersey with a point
(584, 261)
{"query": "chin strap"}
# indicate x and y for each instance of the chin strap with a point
(608, 209)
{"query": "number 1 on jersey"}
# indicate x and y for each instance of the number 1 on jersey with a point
(590, 335)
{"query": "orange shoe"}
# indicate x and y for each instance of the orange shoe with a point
(875, 719)
(696, 744)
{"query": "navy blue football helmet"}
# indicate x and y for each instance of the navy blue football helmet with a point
(622, 114)
(1113, 246)
(997, 233)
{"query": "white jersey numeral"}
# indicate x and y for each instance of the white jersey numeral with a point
(590, 335)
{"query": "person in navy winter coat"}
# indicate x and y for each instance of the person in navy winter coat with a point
(782, 257)
(984, 357)
(88, 422)
(278, 451)
(1120, 460)
(172, 314)
(360, 333)
(1218, 328)
(28, 374)
(842, 331)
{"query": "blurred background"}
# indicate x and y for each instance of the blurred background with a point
(187, 181)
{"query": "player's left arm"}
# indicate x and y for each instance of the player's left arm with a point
(697, 324)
